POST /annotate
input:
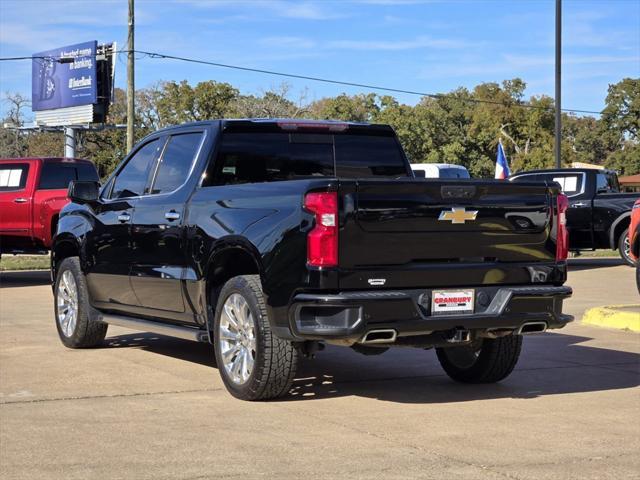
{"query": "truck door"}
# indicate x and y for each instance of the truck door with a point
(605, 209)
(159, 249)
(580, 212)
(109, 241)
(16, 200)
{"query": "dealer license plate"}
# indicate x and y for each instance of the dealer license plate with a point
(452, 301)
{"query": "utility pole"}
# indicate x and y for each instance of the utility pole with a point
(131, 91)
(558, 140)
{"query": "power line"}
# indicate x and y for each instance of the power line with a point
(156, 55)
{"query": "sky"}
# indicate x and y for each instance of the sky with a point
(427, 46)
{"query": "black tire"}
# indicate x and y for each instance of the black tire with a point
(275, 361)
(88, 331)
(638, 276)
(624, 248)
(494, 360)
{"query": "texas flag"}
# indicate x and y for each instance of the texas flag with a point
(502, 166)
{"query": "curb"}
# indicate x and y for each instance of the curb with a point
(621, 317)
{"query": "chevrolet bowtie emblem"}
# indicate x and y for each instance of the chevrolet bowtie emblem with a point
(458, 215)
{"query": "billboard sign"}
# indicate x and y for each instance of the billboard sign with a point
(64, 77)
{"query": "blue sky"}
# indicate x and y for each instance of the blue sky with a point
(428, 46)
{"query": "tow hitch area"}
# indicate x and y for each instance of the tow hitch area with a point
(459, 335)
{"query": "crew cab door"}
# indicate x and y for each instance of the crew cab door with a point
(109, 244)
(606, 207)
(16, 199)
(158, 257)
(580, 214)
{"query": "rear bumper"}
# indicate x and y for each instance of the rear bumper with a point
(348, 316)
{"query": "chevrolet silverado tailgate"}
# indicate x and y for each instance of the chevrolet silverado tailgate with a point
(409, 225)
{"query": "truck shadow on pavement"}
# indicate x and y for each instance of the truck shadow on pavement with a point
(550, 364)
(190, 351)
(27, 278)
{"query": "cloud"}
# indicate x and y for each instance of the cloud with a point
(394, 3)
(526, 66)
(394, 45)
(65, 12)
(33, 38)
(278, 8)
(306, 11)
(533, 61)
(288, 42)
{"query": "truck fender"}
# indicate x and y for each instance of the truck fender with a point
(50, 212)
(613, 241)
(64, 245)
(225, 246)
(69, 238)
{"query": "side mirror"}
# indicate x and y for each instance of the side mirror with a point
(83, 192)
(420, 174)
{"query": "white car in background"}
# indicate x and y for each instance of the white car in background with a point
(439, 170)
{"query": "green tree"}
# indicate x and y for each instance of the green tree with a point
(350, 108)
(177, 103)
(274, 103)
(621, 115)
(626, 160)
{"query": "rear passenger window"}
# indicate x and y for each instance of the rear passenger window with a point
(176, 162)
(362, 156)
(87, 173)
(270, 157)
(13, 176)
(570, 184)
(56, 176)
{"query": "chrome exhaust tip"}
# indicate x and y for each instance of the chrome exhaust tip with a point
(531, 327)
(387, 335)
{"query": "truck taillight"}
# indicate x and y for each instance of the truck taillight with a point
(322, 240)
(562, 240)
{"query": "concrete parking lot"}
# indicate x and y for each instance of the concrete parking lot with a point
(147, 406)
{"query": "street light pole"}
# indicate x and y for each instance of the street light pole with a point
(131, 92)
(558, 132)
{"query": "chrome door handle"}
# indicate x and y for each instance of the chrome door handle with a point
(579, 205)
(171, 216)
(124, 217)
(20, 200)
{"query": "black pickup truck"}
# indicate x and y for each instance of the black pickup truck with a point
(599, 214)
(269, 238)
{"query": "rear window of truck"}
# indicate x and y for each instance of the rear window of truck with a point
(268, 157)
(57, 175)
(572, 184)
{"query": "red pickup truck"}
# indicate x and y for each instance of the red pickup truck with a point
(32, 192)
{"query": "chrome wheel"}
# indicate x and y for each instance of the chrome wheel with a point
(237, 339)
(626, 247)
(67, 303)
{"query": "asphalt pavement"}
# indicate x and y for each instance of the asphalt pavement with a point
(148, 406)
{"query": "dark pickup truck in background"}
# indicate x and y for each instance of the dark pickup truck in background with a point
(599, 214)
(269, 238)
